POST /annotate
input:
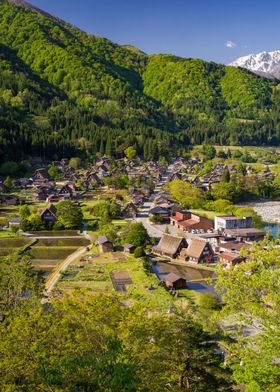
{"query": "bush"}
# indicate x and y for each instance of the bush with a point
(210, 301)
(157, 219)
(139, 252)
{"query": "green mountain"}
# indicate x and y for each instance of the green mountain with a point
(64, 92)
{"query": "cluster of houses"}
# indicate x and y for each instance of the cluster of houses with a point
(229, 235)
(183, 169)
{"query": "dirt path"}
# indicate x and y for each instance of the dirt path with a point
(54, 277)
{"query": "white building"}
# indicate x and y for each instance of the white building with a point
(223, 223)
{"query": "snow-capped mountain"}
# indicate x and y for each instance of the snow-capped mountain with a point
(265, 63)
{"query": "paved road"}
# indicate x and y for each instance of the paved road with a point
(54, 277)
(143, 212)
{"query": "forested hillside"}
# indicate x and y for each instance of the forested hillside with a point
(64, 92)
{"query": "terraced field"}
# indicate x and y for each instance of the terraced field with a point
(45, 254)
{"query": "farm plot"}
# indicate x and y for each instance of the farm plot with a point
(94, 274)
(120, 279)
(10, 245)
(64, 242)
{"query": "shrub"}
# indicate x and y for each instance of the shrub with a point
(139, 252)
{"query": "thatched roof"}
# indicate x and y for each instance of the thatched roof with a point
(170, 244)
(196, 248)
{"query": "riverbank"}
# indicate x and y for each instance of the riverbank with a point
(268, 210)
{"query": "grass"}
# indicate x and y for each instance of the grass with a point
(207, 214)
(95, 277)
(9, 234)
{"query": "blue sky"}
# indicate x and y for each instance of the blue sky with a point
(217, 30)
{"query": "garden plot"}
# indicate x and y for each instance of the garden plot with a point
(120, 279)
(94, 274)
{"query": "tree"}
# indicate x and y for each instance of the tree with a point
(139, 252)
(9, 168)
(173, 354)
(251, 297)
(209, 151)
(54, 172)
(106, 211)
(186, 194)
(74, 347)
(110, 231)
(24, 211)
(225, 176)
(130, 152)
(74, 163)
(137, 235)
(241, 169)
(8, 183)
(69, 215)
(32, 223)
(223, 190)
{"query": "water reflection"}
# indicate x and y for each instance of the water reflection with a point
(195, 277)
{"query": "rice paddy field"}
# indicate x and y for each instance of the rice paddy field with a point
(45, 254)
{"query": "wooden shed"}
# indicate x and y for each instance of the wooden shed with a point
(175, 282)
(104, 244)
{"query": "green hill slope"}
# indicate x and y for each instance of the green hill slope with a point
(64, 92)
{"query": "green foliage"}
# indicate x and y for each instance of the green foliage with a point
(74, 163)
(209, 151)
(32, 222)
(157, 219)
(54, 172)
(139, 252)
(186, 194)
(24, 211)
(69, 215)
(130, 152)
(110, 231)
(106, 211)
(209, 301)
(251, 296)
(9, 168)
(66, 93)
(137, 235)
(8, 183)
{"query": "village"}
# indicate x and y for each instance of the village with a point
(182, 247)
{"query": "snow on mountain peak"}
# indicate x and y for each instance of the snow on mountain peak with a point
(264, 63)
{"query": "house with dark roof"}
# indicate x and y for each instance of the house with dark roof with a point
(104, 244)
(230, 259)
(129, 211)
(129, 248)
(162, 212)
(245, 235)
(49, 214)
(170, 246)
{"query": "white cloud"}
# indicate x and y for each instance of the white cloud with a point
(230, 44)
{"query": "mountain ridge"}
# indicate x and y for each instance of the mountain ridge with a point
(265, 63)
(106, 97)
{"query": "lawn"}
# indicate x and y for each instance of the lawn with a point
(207, 214)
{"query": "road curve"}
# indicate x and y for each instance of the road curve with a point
(54, 277)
